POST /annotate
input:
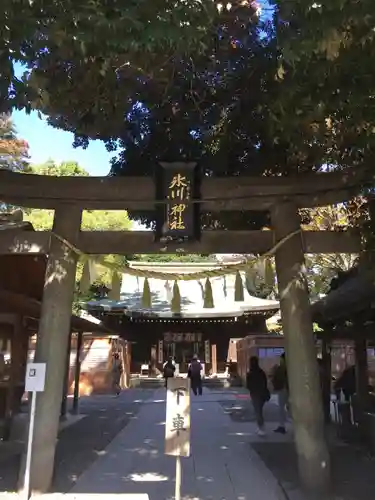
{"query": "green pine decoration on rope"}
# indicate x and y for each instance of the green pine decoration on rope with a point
(208, 302)
(238, 288)
(176, 299)
(146, 296)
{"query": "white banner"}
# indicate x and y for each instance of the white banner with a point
(160, 352)
(177, 421)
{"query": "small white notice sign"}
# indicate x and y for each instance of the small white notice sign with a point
(177, 424)
(35, 377)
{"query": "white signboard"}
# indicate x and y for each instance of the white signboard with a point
(35, 377)
(177, 424)
(182, 337)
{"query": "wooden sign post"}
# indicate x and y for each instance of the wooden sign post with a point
(177, 424)
(214, 359)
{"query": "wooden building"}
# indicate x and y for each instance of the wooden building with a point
(268, 348)
(347, 316)
(21, 290)
(157, 333)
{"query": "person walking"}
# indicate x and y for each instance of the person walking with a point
(256, 383)
(116, 373)
(195, 375)
(280, 387)
(346, 384)
(168, 370)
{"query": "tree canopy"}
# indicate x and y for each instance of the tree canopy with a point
(288, 91)
(92, 220)
(65, 168)
(172, 257)
(97, 44)
(284, 92)
(323, 268)
(13, 150)
(326, 51)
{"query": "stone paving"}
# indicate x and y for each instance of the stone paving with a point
(106, 460)
(352, 466)
(80, 444)
(222, 465)
(116, 452)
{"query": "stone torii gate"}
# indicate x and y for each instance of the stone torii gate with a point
(282, 197)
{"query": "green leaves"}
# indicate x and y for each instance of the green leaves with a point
(257, 93)
(65, 168)
(13, 150)
(92, 220)
(327, 46)
(66, 41)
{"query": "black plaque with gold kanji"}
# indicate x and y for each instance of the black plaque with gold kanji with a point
(178, 184)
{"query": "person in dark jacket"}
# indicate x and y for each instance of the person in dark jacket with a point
(346, 383)
(195, 375)
(116, 373)
(168, 370)
(256, 382)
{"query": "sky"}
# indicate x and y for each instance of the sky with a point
(46, 143)
(49, 143)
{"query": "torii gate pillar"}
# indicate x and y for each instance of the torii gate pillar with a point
(52, 344)
(301, 358)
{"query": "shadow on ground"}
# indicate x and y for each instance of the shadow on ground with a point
(80, 444)
(353, 470)
(242, 411)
